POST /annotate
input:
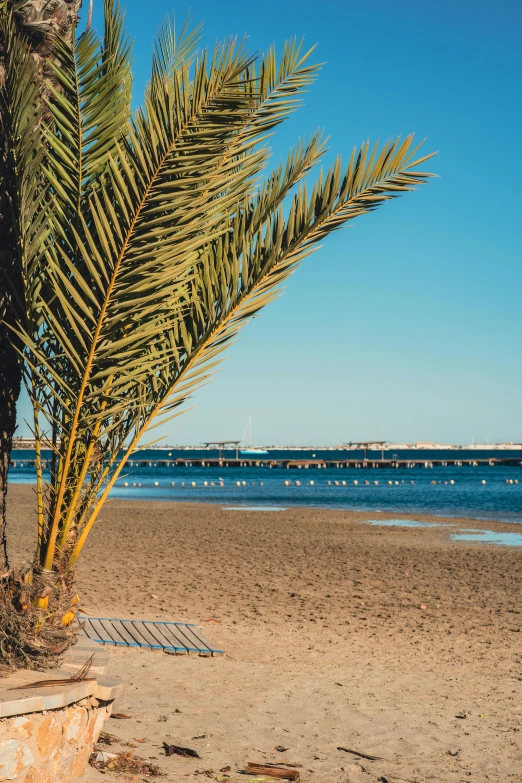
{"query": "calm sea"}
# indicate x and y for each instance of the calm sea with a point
(467, 497)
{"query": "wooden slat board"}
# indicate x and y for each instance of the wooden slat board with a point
(171, 641)
(179, 637)
(142, 632)
(203, 640)
(187, 631)
(113, 632)
(122, 629)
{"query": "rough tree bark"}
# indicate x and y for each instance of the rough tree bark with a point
(39, 20)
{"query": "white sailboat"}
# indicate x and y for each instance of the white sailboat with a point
(249, 451)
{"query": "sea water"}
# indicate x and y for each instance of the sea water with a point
(430, 492)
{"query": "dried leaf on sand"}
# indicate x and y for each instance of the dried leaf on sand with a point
(177, 750)
(108, 739)
(362, 755)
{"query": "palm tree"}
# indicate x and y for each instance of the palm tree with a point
(38, 21)
(145, 242)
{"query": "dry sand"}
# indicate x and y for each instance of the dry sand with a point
(337, 634)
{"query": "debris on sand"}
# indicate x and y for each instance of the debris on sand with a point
(171, 750)
(126, 763)
(271, 771)
(108, 739)
(102, 755)
(362, 755)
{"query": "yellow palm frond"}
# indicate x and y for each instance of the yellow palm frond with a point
(162, 240)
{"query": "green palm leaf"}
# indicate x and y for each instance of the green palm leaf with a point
(21, 120)
(162, 240)
(89, 105)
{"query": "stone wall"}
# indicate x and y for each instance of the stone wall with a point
(51, 746)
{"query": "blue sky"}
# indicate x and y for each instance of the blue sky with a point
(407, 325)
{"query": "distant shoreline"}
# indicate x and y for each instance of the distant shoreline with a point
(27, 444)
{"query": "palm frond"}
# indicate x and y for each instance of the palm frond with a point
(244, 269)
(21, 120)
(90, 105)
(118, 276)
(162, 240)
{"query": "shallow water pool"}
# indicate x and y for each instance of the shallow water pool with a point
(488, 537)
(400, 523)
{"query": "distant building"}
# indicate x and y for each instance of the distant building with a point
(23, 443)
(27, 443)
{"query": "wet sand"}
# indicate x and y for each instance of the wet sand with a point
(337, 634)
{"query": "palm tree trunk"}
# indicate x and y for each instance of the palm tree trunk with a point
(10, 384)
(39, 20)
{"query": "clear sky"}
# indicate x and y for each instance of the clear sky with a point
(407, 325)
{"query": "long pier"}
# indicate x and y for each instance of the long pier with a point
(293, 464)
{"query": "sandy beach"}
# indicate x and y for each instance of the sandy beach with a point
(394, 642)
